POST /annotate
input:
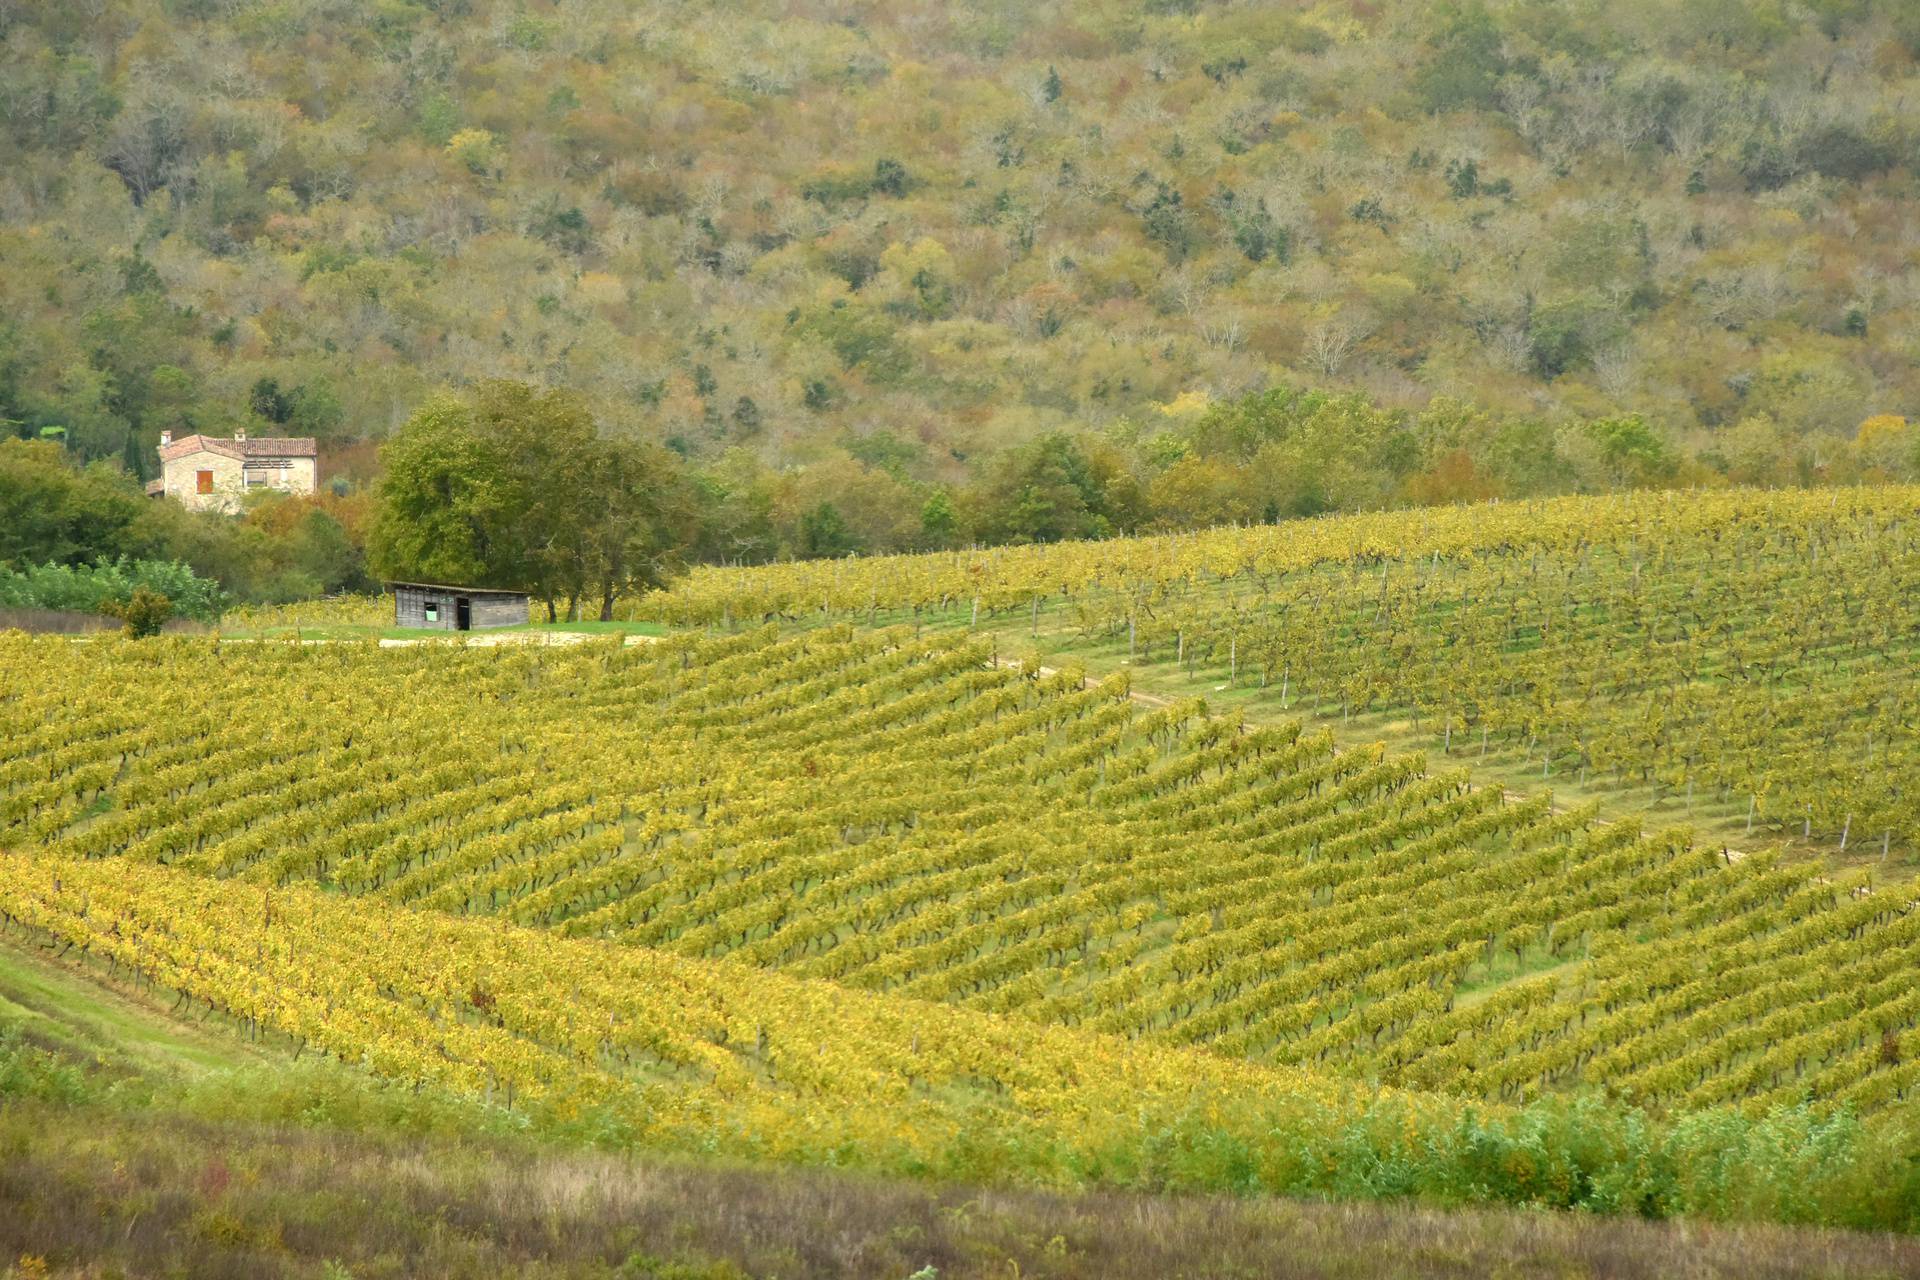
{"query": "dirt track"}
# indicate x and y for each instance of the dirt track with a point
(490, 638)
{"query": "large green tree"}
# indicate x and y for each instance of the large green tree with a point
(638, 517)
(513, 486)
(51, 512)
(448, 507)
(1053, 488)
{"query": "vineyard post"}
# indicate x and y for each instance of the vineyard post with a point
(1752, 800)
(974, 621)
(1036, 616)
(1886, 842)
(1233, 660)
(1130, 649)
(1844, 830)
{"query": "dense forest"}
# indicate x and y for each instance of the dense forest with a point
(903, 274)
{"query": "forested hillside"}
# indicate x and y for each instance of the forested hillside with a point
(860, 262)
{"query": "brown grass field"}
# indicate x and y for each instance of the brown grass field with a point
(98, 1194)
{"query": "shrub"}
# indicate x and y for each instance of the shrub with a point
(144, 613)
(90, 588)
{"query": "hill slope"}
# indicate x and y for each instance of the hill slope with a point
(1748, 651)
(280, 1169)
(901, 815)
(713, 1057)
(890, 238)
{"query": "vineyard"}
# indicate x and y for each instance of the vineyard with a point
(659, 1051)
(903, 816)
(1102, 641)
(1748, 653)
(883, 894)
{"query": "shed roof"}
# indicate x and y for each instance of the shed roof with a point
(465, 591)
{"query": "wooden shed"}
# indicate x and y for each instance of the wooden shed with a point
(433, 606)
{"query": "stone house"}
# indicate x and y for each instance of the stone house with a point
(208, 473)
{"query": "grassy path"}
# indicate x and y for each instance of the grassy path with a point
(75, 1011)
(1157, 683)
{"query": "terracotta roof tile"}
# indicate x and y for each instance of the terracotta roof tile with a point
(279, 447)
(186, 446)
(251, 447)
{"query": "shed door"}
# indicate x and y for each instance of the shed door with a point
(203, 482)
(462, 614)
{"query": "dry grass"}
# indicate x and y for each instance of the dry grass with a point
(97, 1193)
(68, 622)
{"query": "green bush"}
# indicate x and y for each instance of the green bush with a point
(90, 588)
(28, 1071)
(144, 613)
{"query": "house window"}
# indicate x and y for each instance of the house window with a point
(433, 612)
(203, 482)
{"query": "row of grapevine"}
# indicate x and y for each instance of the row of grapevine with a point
(902, 815)
(641, 1046)
(1748, 650)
